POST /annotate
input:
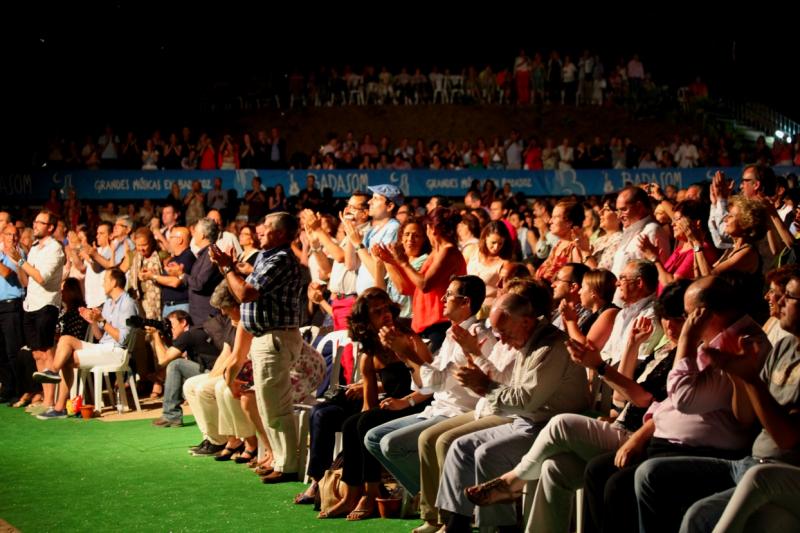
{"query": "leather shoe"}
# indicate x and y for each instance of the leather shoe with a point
(279, 477)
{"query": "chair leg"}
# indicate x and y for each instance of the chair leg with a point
(302, 445)
(123, 396)
(134, 393)
(111, 400)
(98, 391)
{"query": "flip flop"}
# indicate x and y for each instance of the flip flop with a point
(304, 499)
(361, 514)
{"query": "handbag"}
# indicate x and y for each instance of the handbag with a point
(330, 485)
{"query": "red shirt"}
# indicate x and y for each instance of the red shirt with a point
(427, 307)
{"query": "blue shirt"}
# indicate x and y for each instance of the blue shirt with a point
(10, 287)
(117, 312)
(386, 234)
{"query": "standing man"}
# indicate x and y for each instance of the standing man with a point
(271, 307)
(384, 202)
(41, 273)
(204, 277)
(174, 289)
(11, 295)
(169, 220)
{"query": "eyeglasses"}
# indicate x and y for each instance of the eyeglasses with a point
(624, 279)
(449, 294)
(357, 207)
(40, 222)
(790, 297)
(557, 280)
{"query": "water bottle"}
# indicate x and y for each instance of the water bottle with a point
(119, 402)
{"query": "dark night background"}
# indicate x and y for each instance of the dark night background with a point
(76, 66)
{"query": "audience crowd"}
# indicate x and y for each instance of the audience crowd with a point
(268, 150)
(641, 346)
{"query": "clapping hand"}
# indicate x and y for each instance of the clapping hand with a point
(745, 364)
(568, 311)
(641, 330)
(586, 355)
(648, 249)
(473, 378)
(90, 315)
(469, 343)
(175, 269)
(220, 258)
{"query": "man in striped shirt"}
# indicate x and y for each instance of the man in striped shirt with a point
(271, 307)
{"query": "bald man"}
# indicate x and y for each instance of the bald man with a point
(174, 288)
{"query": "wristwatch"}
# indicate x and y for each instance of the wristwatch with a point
(227, 269)
(697, 248)
(21, 262)
(360, 246)
(101, 324)
(601, 368)
(411, 401)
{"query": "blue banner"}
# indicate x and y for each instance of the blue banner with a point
(155, 185)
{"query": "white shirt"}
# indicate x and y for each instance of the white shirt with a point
(93, 284)
(450, 398)
(503, 358)
(623, 322)
(629, 245)
(343, 281)
(49, 259)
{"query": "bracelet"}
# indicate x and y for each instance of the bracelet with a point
(411, 401)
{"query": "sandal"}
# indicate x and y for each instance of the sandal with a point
(361, 514)
(245, 457)
(492, 492)
(22, 402)
(222, 456)
(263, 470)
(304, 499)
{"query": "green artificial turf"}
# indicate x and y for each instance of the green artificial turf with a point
(78, 475)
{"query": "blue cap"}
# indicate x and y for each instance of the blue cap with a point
(391, 192)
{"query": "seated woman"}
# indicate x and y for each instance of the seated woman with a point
(361, 472)
(565, 224)
(600, 253)
(688, 219)
(415, 250)
(597, 295)
(746, 223)
(494, 250)
(560, 452)
(429, 284)
(238, 412)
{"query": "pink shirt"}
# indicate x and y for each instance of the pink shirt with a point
(697, 410)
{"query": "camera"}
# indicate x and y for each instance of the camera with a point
(164, 327)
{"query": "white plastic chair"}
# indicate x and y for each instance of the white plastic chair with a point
(455, 87)
(339, 340)
(356, 88)
(101, 373)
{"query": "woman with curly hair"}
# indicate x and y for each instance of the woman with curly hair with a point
(746, 223)
(374, 316)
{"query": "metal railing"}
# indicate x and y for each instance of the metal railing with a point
(764, 118)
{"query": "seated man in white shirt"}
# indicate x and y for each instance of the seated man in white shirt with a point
(108, 325)
(395, 443)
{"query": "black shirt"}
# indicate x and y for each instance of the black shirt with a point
(180, 295)
(198, 347)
